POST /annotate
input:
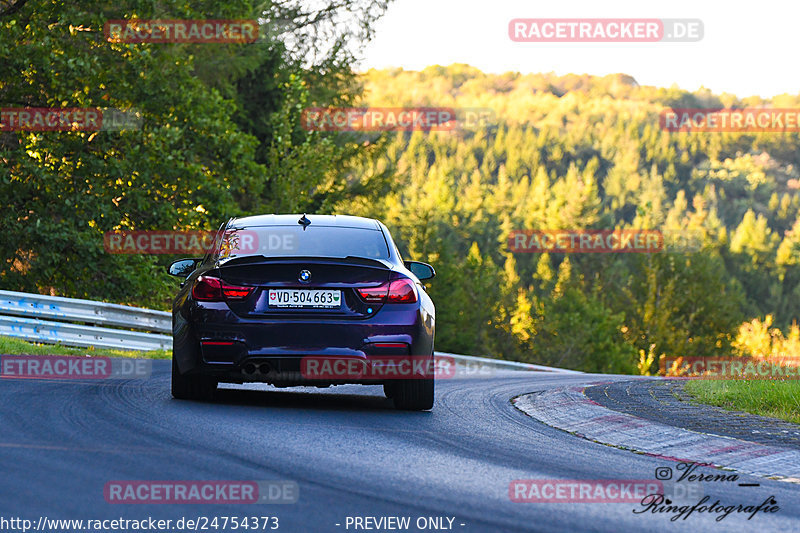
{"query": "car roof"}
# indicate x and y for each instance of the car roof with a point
(341, 221)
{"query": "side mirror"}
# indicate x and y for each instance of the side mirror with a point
(183, 267)
(420, 269)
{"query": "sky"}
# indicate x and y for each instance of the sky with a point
(749, 47)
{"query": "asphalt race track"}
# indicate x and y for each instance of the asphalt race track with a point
(350, 452)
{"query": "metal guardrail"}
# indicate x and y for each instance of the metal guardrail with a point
(75, 310)
(22, 316)
(472, 361)
(82, 323)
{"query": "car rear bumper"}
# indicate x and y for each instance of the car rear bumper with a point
(237, 350)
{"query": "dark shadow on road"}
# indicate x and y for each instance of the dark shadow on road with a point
(304, 399)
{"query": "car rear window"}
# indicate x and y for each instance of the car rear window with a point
(294, 241)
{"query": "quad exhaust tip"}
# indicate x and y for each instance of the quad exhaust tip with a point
(263, 368)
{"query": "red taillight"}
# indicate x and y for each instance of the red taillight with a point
(209, 289)
(402, 291)
(399, 291)
(235, 293)
(374, 294)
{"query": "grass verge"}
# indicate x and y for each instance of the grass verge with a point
(12, 346)
(766, 397)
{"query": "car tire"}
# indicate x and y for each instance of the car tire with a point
(188, 387)
(388, 389)
(413, 394)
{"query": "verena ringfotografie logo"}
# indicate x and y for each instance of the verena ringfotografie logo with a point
(605, 30)
(69, 367)
(689, 484)
(744, 368)
(378, 368)
(366, 119)
(745, 120)
(68, 119)
(192, 242)
(582, 490)
(181, 31)
(201, 492)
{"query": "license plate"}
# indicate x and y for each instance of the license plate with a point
(315, 298)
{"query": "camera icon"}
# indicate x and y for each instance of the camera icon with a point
(663, 473)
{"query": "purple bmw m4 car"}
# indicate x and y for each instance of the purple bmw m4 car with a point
(296, 300)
